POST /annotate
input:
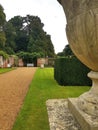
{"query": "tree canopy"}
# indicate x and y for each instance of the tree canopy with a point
(67, 52)
(26, 34)
(2, 22)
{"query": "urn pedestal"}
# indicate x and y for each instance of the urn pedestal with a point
(85, 107)
(82, 34)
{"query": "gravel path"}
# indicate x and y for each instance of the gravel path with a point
(13, 88)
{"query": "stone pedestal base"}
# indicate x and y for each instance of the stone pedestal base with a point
(85, 107)
(86, 121)
(59, 115)
(64, 114)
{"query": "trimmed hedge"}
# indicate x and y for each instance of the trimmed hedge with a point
(70, 71)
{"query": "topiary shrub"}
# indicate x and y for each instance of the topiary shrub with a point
(70, 71)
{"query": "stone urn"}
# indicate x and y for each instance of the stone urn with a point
(82, 34)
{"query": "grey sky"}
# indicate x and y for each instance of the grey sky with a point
(50, 12)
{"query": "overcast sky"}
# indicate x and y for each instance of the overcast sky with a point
(50, 12)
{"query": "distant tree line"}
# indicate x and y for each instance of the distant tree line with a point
(24, 35)
(67, 52)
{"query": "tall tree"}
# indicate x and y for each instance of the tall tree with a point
(49, 47)
(2, 22)
(2, 17)
(66, 52)
(10, 33)
(30, 36)
(21, 38)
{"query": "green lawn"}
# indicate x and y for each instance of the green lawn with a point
(33, 115)
(4, 70)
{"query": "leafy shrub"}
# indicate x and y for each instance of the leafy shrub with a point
(4, 54)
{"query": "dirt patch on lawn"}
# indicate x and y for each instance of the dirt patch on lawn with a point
(13, 88)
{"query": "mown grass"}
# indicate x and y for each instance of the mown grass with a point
(33, 115)
(4, 70)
